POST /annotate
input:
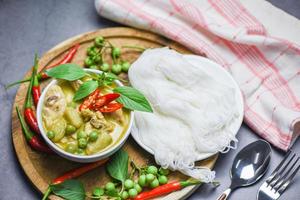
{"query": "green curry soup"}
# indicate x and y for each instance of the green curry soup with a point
(84, 132)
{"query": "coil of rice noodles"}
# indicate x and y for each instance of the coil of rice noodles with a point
(193, 112)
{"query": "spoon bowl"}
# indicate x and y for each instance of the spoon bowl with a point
(249, 165)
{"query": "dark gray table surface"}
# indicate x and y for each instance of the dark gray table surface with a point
(28, 26)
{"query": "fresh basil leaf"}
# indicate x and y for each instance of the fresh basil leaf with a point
(118, 166)
(133, 99)
(85, 89)
(69, 190)
(69, 72)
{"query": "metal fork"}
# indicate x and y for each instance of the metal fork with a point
(280, 178)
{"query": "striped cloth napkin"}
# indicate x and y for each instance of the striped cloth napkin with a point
(266, 68)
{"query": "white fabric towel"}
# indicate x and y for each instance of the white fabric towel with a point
(265, 66)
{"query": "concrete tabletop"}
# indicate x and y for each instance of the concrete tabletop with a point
(28, 26)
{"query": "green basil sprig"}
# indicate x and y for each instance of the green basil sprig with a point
(85, 89)
(69, 190)
(74, 190)
(133, 99)
(69, 72)
(90, 86)
(118, 166)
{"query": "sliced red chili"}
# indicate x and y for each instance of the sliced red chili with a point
(99, 102)
(104, 100)
(111, 107)
(89, 100)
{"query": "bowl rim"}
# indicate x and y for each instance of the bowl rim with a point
(74, 157)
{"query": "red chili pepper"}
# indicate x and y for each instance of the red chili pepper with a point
(35, 142)
(165, 189)
(75, 173)
(111, 107)
(36, 93)
(89, 100)
(94, 101)
(36, 90)
(69, 56)
(28, 111)
(79, 171)
(104, 100)
(31, 120)
(42, 75)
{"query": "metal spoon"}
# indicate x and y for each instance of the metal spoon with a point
(249, 165)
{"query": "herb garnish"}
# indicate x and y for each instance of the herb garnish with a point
(69, 190)
(131, 98)
(125, 186)
(74, 189)
(118, 166)
(85, 89)
(69, 72)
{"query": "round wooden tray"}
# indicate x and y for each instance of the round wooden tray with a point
(41, 168)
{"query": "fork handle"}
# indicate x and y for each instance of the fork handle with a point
(224, 195)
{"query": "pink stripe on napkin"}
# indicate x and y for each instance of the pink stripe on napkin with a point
(265, 67)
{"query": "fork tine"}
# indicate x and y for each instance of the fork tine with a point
(284, 176)
(281, 177)
(275, 174)
(286, 183)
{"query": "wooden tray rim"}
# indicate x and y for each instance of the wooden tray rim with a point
(51, 54)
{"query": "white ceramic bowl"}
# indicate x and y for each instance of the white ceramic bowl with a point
(80, 158)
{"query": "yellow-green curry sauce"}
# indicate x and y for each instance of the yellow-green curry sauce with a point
(66, 141)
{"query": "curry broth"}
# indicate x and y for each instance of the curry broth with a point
(113, 120)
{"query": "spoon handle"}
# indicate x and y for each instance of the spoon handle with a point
(225, 194)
